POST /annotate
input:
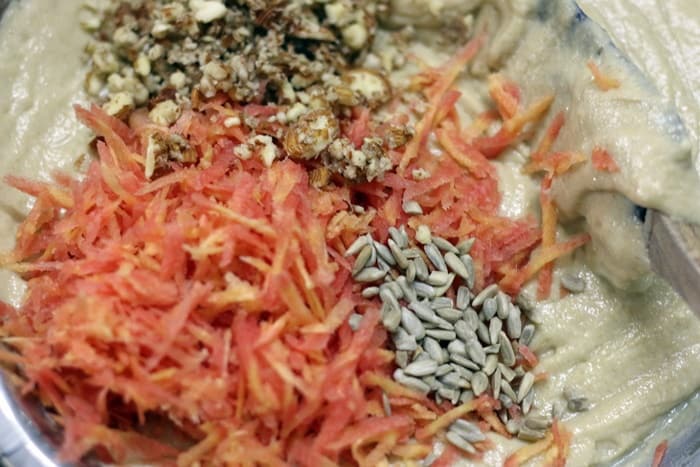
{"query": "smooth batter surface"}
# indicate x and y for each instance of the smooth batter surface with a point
(636, 356)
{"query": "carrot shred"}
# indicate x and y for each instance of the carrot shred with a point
(603, 81)
(529, 451)
(505, 94)
(602, 161)
(659, 454)
(549, 237)
(435, 93)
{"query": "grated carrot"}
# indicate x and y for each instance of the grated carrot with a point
(602, 161)
(659, 454)
(603, 81)
(447, 75)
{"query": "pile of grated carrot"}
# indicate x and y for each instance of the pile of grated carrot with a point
(202, 316)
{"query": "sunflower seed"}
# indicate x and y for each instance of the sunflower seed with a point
(383, 265)
(464, 362)
(421, 368)
(441, 302)
(420, 354)
(407, 291)
(506, 372)
(422, 272)
(435, 257)
(411, 253)
(505, 401)
(457, 347)
(412, 324)
(492, 349)
(423, 234)
(401, 358)
(525, 385)
(530, 435)
(414, 383)
(496, 383)
(444, 324)
(423, 311)
(356, 246)
(451, 379)
(519, 371)
(525, 302)
(495, 327)
(389, 298)
(476, 352)
(463, 297)
(506, 351)
(489, 308)
(412, 208)
(465, 246)
(579, 404)
(491, 364)
(471, 318)
(370, 275)
(464, 332)
(483, 332)
(424, 290)
(514, 324)
(469, 264)
(460, 443)
(572, 283)
(470, 435)
(393, 287)
(507, 389)
(538, 422)
(441, 334)
(391, 318)
(434, 349)
(399, 238)
(503, 305)
(411, 272)
(362, 260)
(438, 398)
(354, 321)
(401, 260)
(463, 372)
(456, 265)
(512, 427)
(444, 245)
(432, 382)
(439, 291)
(479, 383)
(488, 292)
(558, 409)
(384, 254)
(526, 405)
(449, 394)
(403, 341)
(369, 292)
(466, 396)
(442, 370)
(464, 427)
(450, 314)
(503, 415)
(527, 334)
(438, 278)
(386, 404)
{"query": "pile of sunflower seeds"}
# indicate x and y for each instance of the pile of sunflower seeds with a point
(454, 349)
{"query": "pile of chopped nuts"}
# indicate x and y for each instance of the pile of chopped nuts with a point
(299, 55)
(253, 50)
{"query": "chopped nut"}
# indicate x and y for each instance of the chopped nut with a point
(311, 134)
(165, 113)
(355, 36)
(319, 177)
(372, 87)
(119, 105)
(207, 11)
